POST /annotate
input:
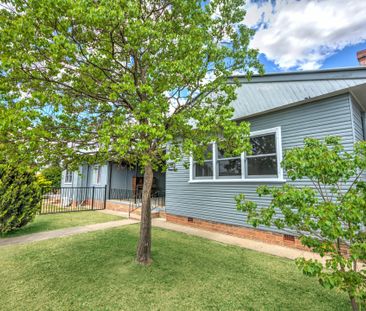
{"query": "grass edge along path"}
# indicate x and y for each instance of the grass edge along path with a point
(49, 222)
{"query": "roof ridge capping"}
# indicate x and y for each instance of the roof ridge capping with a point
(307, 75)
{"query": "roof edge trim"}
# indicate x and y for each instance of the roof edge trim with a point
(325, 74)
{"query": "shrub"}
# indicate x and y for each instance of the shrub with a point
(20, 197)
(43, 182)
(329, 217)
(53, 174)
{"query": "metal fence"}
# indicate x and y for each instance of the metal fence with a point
(135, 197)
(122, 194)
(73, 199)
(158, 199)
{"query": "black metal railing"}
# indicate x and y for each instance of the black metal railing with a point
(121, 194)
(158, 199)
(73, 199)
(134, 198)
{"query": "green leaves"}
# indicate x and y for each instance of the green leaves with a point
(309, 267)
(328, 217)
(20, 196)
(120, 79)
(323, 161)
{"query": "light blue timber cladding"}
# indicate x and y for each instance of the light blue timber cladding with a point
(75, 179)
(84, 177)
(358, 128)
(112, 175)
(122, 176)
(104, 174)
(215, 201)
(357, 120)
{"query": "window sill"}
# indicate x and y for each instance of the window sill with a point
(252, 180)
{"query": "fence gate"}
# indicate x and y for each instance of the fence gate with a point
(73, 199)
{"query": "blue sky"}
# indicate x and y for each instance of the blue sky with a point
(307, 34)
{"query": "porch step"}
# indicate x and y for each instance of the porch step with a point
(136, 214)
(121, 206)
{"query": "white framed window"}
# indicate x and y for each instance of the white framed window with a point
(205, 170)
(97, 174)
(262, 164)
(263, 160)
(228, 167)
(68, 177)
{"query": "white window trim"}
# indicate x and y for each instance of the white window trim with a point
(72, 178)
(279, 178)
(192, 162)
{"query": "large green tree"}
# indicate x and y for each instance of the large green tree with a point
(16, 132)
(123, 79)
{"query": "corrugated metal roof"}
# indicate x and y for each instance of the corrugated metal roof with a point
(276, 91)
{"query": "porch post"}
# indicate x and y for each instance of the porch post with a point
(105, 196)
(110, 180)
(92, 207)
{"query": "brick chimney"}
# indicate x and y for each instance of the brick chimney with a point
(361, 56)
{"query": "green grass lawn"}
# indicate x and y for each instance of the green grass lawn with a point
(96, 271)
(62, 220)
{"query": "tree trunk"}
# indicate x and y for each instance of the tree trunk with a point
(143, 255)
(354, 304)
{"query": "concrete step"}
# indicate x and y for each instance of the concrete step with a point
(136, 214)
(120, 206)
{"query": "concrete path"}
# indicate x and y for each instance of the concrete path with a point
(45, 235)
(112, 212)
(277, 250)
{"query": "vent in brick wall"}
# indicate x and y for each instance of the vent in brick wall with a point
(288, 238)
(190, 219)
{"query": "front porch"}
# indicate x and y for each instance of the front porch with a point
(125, 190)
(129, 201)
(134, 210)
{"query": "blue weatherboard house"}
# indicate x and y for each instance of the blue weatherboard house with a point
(283, 109)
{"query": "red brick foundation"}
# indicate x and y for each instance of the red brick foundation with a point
(124, 207)
(242, 232)
(117, 206)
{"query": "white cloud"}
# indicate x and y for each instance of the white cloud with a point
(303, 33)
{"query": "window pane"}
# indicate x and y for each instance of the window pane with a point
(262, 166)
(204, 170)
(98, 175)
(68, 176)
(263, 144)
(230, 167)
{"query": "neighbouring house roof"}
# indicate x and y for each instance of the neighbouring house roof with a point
(276, 91)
